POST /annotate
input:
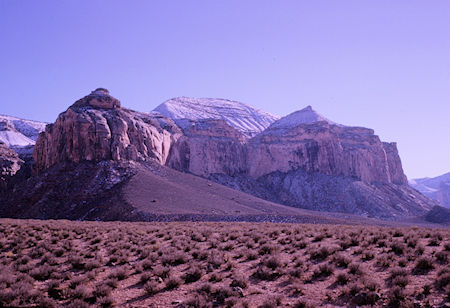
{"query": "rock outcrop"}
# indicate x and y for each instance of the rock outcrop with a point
(10, 164)
(96, 128)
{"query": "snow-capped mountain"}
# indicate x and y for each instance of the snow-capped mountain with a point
(19, 133)
(306, 115)
(248, 120)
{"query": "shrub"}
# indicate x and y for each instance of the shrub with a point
(239, 281)
(193, 275)
(423, 265)
(320, 254)
(151, 288)
(355, 269)
(397, 247)
(323, 271)
(342, 279)
(172, 282)
(442, 257)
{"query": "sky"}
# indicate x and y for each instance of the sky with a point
(378, 64)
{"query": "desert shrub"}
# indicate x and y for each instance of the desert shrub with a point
(367, 255)
(267, 249)
(172, 282)
(366, 298)
(197, 301)
(77, 303)
(239, 281)
(151, 288)
(53, 289)
(423, 265)
(102, 290)
(175, 259)
(271, 302)
(443, 279)
(355, 269)
(81, 292)
(320, 254)
(215, 277)
(265, 273)
(396, 297)
(272, 262)
(77, 262)
(442, 257)
(303, 304)
(192, 275)
(145, 277)
(106, 301)
(120, 273)
(112, 282)
(397, 247)
(383, 261)
(323, 271)
(342, 279)
(42, 272)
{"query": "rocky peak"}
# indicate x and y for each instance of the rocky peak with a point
(99, 98)
(306, 115)
(246, 119)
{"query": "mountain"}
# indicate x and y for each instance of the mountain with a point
(305, 161)
(246, 119)
(437, 188)
(16, 132)
(100, 160)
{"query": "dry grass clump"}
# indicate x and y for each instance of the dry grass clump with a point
(93, 264)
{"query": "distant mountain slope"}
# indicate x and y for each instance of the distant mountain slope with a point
(246, 119)
(19, 132)
(437, 188)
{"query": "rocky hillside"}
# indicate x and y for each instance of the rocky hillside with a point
(437, 188)
(100, 160)
(246, 119)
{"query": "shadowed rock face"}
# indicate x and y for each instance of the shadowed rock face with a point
(96, 128)
(10, 164)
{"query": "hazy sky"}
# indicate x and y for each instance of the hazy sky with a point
(378, 64)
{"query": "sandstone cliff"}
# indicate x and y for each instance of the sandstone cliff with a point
(96, 128)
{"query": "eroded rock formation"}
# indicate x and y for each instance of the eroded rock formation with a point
(96, 128)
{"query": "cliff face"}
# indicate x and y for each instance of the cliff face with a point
(208, 147)
(326, 148)
(96, 128)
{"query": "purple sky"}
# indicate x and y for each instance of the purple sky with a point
(379, 64)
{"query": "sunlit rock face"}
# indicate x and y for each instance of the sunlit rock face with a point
(96, 128)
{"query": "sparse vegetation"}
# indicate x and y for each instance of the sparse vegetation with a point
(83, 264)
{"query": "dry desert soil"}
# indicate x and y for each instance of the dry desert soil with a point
(189, 264)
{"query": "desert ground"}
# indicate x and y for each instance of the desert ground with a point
(185, 264)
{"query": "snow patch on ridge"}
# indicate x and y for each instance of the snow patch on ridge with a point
(305, 116)
(248, 120)
(16, 132)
